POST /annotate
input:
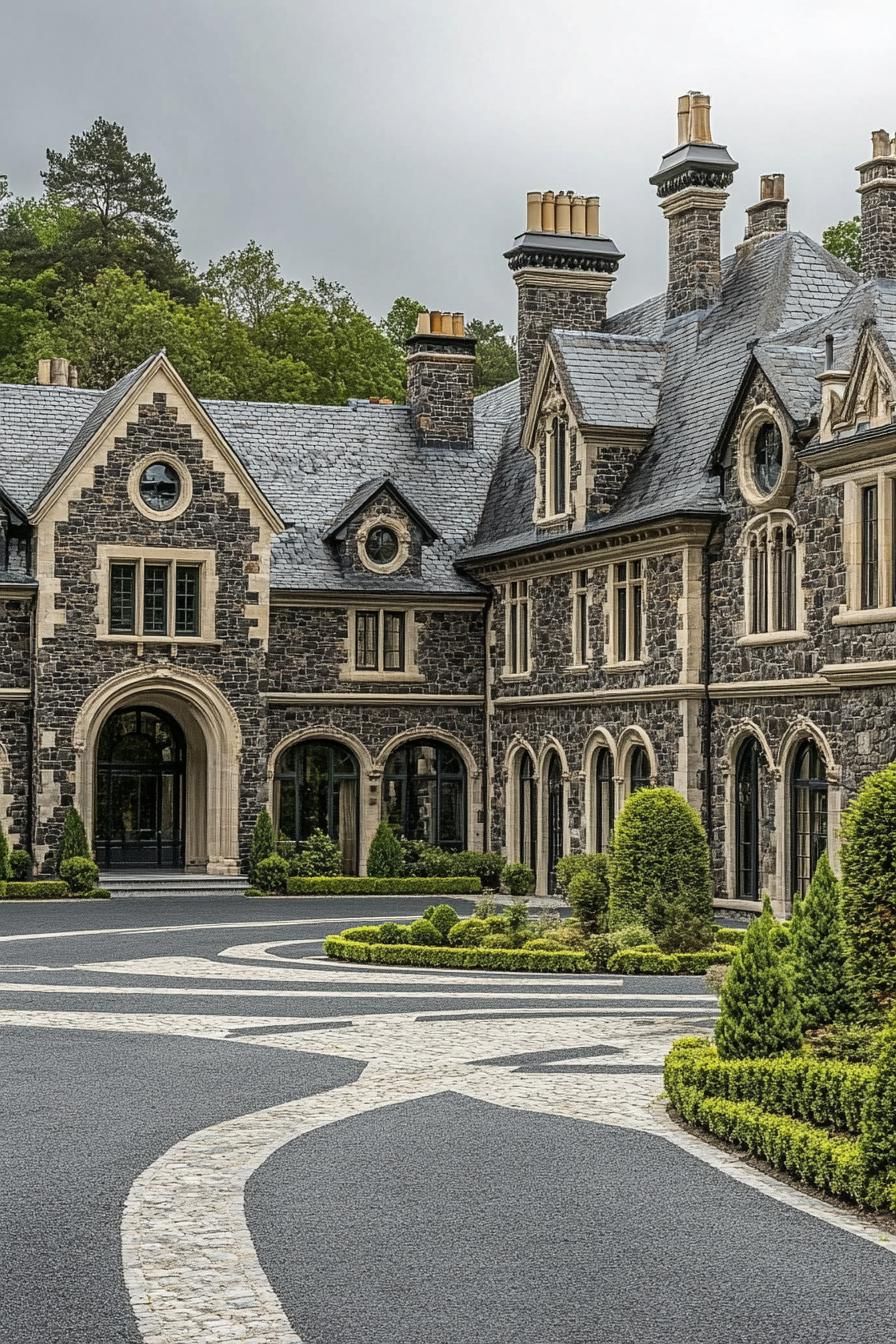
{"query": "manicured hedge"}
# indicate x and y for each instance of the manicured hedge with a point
(742, 1102)
(39, 891)
(650, 961)
(342, 948)
(384, 886)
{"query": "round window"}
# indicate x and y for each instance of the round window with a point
(381, 545)
(768, 457)
(160, 487)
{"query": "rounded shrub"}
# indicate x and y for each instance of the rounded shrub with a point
(868, 861)
(364, 933)
(392, 933)
(546, 944)
(440, 863)
(385, 857)
(80, 874)
(877, 1140)
(759, 1012)
(272, 874)
(424, 934)
(568, 866)
(468, 932)
(498, 940)
(22, 866)
(659, 845)
(589, 894)
(518, 880)
(319, 856)
(444, 917)
(488, 867)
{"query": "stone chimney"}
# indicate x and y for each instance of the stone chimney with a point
(877, 188)
(769, 214)
(563, 267)
(441, 364)
(56, 373)
(690, 183)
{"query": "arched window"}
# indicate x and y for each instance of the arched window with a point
(808, 815)
(604, 798)
(556, 809)
(526, 810)
(425, 794)
(316, 788)
(559, 465)
(638, 770)
(770, 580)
(746, 821)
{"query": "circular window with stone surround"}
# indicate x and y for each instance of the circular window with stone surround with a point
(160, 487)
(765, 467)
(383, 545)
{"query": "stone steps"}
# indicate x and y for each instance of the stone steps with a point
(167, 883)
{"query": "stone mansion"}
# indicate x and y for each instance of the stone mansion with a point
(665, 556)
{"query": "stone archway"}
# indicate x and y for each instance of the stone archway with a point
(214, 742)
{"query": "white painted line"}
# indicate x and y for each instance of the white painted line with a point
(186, 928)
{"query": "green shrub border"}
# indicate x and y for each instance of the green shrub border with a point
(743, 1102)
(50, 890)
(384, 886)
(341, 948)
(650, 961)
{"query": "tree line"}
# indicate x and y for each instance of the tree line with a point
(92, 270)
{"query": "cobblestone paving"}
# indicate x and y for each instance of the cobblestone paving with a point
(191, 1269)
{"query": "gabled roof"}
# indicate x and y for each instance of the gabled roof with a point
(363, 495)
(613, 381)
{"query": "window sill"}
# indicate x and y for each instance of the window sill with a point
(865, 616)
(772, 637)
(516, 676)
(160, 639)
(578, 667)
(370, 674)
(553, 519)
(626, 667)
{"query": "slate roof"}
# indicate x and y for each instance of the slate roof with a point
(778, 294)
(676, 379)
(613, 381)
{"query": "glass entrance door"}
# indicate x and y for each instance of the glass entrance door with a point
(140, 791)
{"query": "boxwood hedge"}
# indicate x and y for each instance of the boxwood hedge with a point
(51, 890)
(384, 886)
(342, 948)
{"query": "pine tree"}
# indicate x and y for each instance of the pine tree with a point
(73, 844)
(5, 861)
(263, 843)
(385, 858)
(758, 1009)
(818, 951)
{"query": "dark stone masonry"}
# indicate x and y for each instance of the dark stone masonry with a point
(422, 613)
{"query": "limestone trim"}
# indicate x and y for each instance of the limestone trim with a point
(857, 610)
(214, 745)
(368, 778)
(608, 695)
(159, 377)
(581, 603)
(599, 739)
(402, 535)
(110, 553)
(796, 734)
(744, 731)
(584, 282)
(693, 198)
(630, 738)
(419, 601)
(579, 549)
(860, 674)
(748, 430)
(748, 690)
(368, 698)
(184, 499)
(409, 672)
(15, 692)
(517, 749)
(474, 818)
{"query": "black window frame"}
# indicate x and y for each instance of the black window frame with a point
(746, 821)
(809, 819)
(122, 575)
(869, 514)
(409, 785)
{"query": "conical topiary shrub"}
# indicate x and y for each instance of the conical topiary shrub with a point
(385, 857)
(73, 844)
(818, 951)
(263, 843)
(758, 1009)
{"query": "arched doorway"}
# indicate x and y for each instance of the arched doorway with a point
(140, 773)
(526, 838)
(316, 788)
(746, 821)
(555, 816)
(425, 793)
(808, 815)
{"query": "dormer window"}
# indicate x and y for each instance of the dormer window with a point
(381, 545)
(768, 457)
(559, 466)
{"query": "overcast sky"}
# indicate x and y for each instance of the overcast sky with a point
(389, 144)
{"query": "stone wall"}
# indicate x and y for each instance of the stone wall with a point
(695, 270)
(543, 306)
